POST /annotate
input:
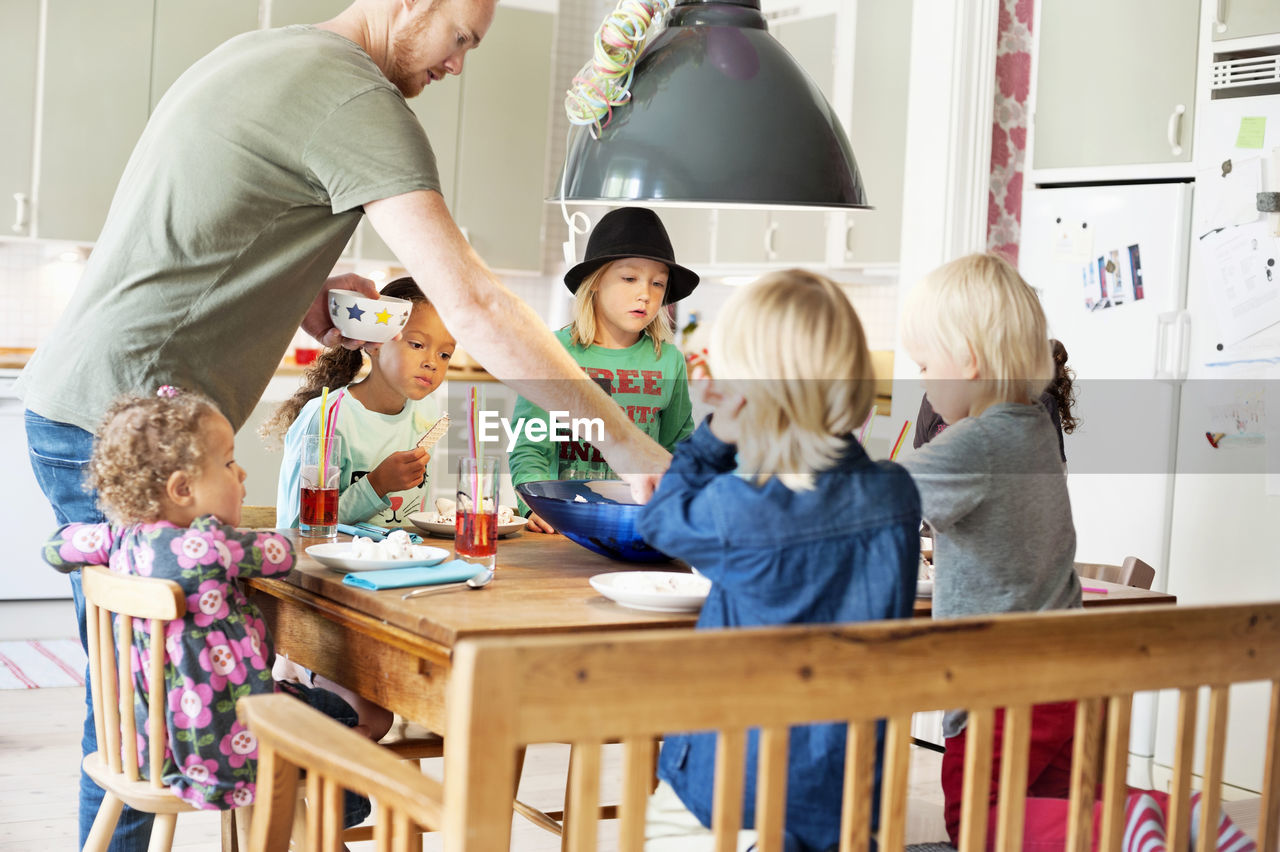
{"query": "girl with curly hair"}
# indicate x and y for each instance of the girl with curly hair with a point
(166, 477)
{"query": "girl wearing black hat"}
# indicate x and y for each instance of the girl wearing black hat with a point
(621, 335)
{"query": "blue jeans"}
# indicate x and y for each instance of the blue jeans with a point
(59, 456)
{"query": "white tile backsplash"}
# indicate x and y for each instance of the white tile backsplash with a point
(36, 283)
(37, 279)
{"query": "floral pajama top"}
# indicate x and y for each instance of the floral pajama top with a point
(218, 652)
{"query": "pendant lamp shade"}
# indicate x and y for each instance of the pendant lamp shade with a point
(720, 115)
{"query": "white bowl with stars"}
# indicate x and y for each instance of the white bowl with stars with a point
(373, 320)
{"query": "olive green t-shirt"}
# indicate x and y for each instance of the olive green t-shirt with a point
(245, 186)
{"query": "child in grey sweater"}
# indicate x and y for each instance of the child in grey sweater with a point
(992, 485)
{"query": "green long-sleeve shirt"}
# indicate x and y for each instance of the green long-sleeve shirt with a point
(653, 389)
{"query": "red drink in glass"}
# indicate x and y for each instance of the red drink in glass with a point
(476, 536)
(319, 515)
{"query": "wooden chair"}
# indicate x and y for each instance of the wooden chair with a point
(258, 517)
(408, 801)
(1132, 572)
(114, 766)
(587, 689)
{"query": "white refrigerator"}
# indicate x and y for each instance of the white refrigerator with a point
(1167, 297)
(1110, 265)
(1225, 507)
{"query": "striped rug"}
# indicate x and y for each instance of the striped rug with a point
(33, 663)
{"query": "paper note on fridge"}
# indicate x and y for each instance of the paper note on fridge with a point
(1072, 242)
(1244, 279)
(1226, 195)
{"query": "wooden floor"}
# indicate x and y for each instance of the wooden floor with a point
(40, 753)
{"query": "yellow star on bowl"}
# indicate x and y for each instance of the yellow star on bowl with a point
(383, 316)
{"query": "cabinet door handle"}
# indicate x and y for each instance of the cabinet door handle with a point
(770, 252)
(1175, 129)
(1220, 16)
(848, 238)
(22, 213)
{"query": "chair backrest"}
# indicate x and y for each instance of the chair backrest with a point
(113, 599)
(258, 517)
(292, 736)
(588, 689)
(1132, 572)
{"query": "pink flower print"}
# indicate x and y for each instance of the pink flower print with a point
(194, 795)
(193, 548)
(198, 769)
(1013, 74)
(251, 648)
(208, 604)
(1013, 197)
(277, 555)
(189, 704)
(142, 753)
(239, 745)
(220, 660)
(232, 550)
(173, 641)
(85, 543)
(144, 559)
(239, 797)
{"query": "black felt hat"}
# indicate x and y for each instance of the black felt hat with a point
(633, 232)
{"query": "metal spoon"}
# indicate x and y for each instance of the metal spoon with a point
(479, 581)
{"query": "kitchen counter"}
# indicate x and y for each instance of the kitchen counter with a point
(15, 358)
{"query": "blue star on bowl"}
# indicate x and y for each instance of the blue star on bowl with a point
(354, 313)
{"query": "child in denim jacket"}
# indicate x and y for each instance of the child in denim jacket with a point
(776, 503)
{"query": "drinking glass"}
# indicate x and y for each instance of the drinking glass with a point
(319, 515)
(476, 534)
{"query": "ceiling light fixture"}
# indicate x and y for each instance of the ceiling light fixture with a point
(719, 115)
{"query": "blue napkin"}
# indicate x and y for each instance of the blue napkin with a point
(452, 571)
(367, 530)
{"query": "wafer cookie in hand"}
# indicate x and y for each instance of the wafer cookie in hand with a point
(435, 433)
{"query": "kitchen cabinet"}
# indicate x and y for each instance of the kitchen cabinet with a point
(1240, 18)
(94, 105)
(782, 237)
(878, 130)
(1115, 83)
(285, 12)
(106, 66)
(19, 43)
(185, 31)
(29, 519)
(502, 147)
(488, 128)
(858, 55)
(437, 111)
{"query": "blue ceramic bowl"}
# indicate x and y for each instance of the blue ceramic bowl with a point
(605, 523)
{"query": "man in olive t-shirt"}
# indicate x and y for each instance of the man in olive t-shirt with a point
(245, 186)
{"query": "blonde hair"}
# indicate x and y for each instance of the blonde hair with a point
(142, 441)
(582, 331)
(978, 310)
(792, 345)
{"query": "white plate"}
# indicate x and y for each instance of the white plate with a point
(924, 588)
(659, 591)
(430, 522)
(337, 555)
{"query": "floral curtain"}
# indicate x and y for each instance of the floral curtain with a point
(1009, 128)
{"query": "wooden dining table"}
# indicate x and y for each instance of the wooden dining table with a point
(398, 652)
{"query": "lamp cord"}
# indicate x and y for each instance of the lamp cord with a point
(605, 81)
(578, 222)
